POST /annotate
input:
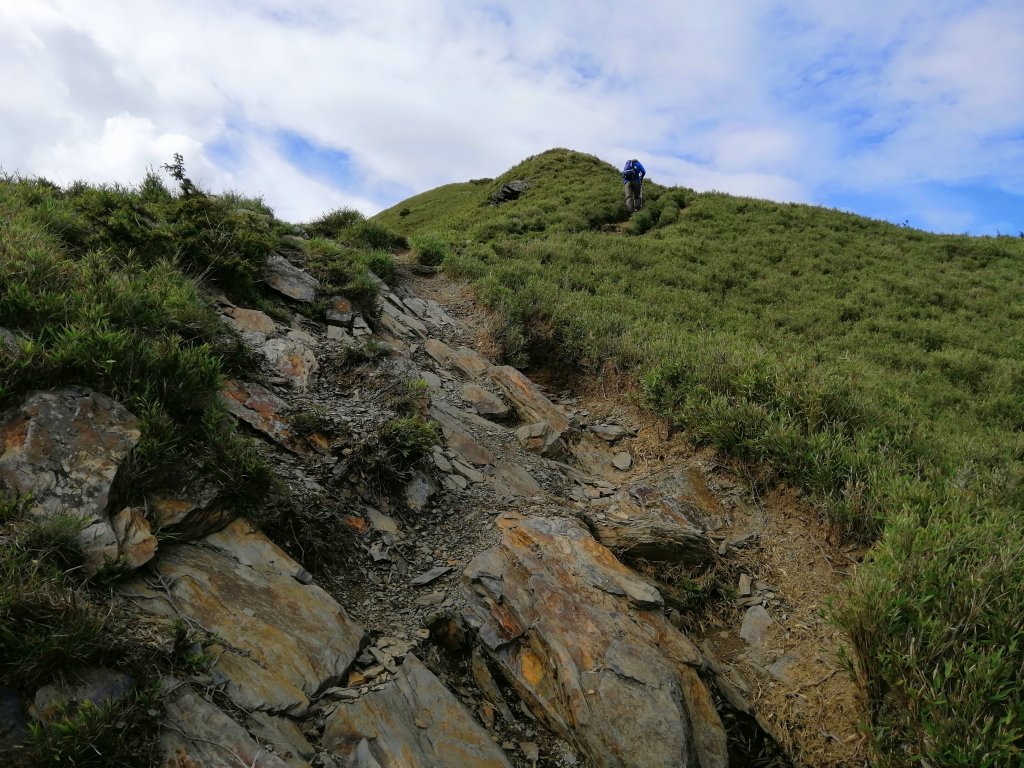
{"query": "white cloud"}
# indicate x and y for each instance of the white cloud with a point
(784, 99)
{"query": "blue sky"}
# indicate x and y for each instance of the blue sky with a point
(906, 110)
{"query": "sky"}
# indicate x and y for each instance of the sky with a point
(906, 110)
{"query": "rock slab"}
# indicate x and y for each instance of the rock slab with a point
(65, 447)
(412, 722)
(584, 641)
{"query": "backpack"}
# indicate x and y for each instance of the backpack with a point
(629, 171)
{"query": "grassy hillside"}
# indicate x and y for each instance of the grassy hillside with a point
(879, 368)
(109, 287)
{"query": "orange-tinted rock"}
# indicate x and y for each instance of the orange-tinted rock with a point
(660, 518)
(237, 584)
(412, 722)
(530, 403)
(136, 544)
(258, 407)
(469, 362)
(65, 447)
(251, 320)
(585, 643)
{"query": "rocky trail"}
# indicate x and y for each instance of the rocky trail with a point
(558, 582)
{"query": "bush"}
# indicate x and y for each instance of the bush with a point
(429, 249)
(335, 224)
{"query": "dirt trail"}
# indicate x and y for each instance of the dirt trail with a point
(801, 692)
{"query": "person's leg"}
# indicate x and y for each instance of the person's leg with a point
(629, 196)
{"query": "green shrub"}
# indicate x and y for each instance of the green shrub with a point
(429, 249)
(372, 236)
(407, 440)
(335, 224)
(642, 221)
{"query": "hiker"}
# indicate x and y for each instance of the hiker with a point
(633, 177)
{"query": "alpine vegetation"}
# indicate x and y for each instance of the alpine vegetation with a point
(877, 368)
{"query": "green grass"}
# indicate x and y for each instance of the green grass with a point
(878, 368)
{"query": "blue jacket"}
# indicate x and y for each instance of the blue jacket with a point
(633, 171)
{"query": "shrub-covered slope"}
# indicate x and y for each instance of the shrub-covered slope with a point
(879, 368)
(110, 288)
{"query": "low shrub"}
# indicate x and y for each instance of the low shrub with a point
(429, 249)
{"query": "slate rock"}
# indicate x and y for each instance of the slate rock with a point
(196, 733)
(65, 448)
(484, 402)
(258, 407)
(540, 438)
(583, 640)
(239, 585)
(293, 359)
(610, 432)
(13, 725)
(136, 543)
(469, 362)
(756, 625)
(93, 684)
(531, 404)
(508, 191)
(622, 461)
(429, 577)
(250, 320)
(412, 722)
(656, 519)
(514, 480)
(469, 449)
(287, 279)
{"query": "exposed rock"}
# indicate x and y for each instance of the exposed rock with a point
(485, 403)
(419, 491)
(254, 688)
(13, 725)
(8, 342)
(239, 585)
(197, 733)
(610, 432)
(645, 522)
(782, 668)
(430, 576)
(540, 438)
(469, 449)
(512, 479)
(258, 407)
(509, 191)
(188, 512)
(293, 359)
(289, 280)
(359, 327)
(485, 681)
(136, 544)
(412, 722)
(250, 320)
(447, 630)
(622, 461)
(290, 743)
(469, 362)
(756, 626)
(531, 404)
(64, 447)
(744, 587)
(572, 630)
(467, 472)
(95, 684)
(438, 350)
(595, 456)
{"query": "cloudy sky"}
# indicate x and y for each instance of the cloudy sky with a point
(907, 110)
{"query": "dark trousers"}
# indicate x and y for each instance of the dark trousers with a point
(634, 195)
